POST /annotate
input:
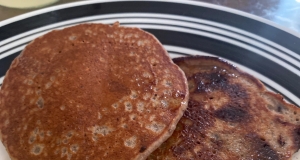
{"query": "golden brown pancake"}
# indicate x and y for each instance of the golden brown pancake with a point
(230, 116)
(90, 92)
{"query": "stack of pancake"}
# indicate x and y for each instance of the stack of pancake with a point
(96, 91)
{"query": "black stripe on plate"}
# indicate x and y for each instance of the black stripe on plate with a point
(277, 56)
(86, 21)
(179, 53)
(244, 42)
(5, 63)
(272, 33)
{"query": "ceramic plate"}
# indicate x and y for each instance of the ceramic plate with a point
(259, 47)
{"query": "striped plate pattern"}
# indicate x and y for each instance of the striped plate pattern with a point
(255, 45)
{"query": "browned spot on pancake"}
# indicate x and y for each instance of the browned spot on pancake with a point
(281, 141)
(200, 117)
(260, 149)
(143, 148)
(232, 114)
(207, 81)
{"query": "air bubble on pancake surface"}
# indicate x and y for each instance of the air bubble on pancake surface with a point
(6, 122)
(40, 102)
(65, 141)
(128, 106)
(58, 141)
(38, 92)
(69, 134)
(28, 92)
(37, 149)
(31, 101)
(140, 106)
(99, 115)
(164, 103)
(52, 78)
(146, 75)
(103, 130)
(102, 59)
(25, 127)
(128, 35)
(72, 38)
(48, 85)
(140, 43)
(146, 96)
(32, 138)
(49, 133)
(132, 117)
(87, 31)
(152, 117)
(41, 135)
(131, 53)
(74, 148)
(64, 152)
(124, 125)
(29, 82)
(155, 127)
(115, 105)
(167, 93)
(167, 83)
(133, 95)
(130, 142)
(56, 151)
(62, 107)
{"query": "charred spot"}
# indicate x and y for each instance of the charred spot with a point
(236, 92)
(200, 117)
(296, 136)
(142, 149)
(280, 141)
(217, 143)
(178, 150)
(208, 153)
(205, 81)
(201, 120)
(260, 149)
(279, 109)
(232, 114)
(218, 80)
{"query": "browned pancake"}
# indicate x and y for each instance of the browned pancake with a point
(230, 116)
(89, 92)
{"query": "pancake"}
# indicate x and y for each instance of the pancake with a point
(230, 116)
(91, 91)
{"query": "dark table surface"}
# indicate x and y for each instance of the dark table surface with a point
(283, 12)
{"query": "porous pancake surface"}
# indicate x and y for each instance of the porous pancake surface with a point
(230, 116)
(89, 92)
